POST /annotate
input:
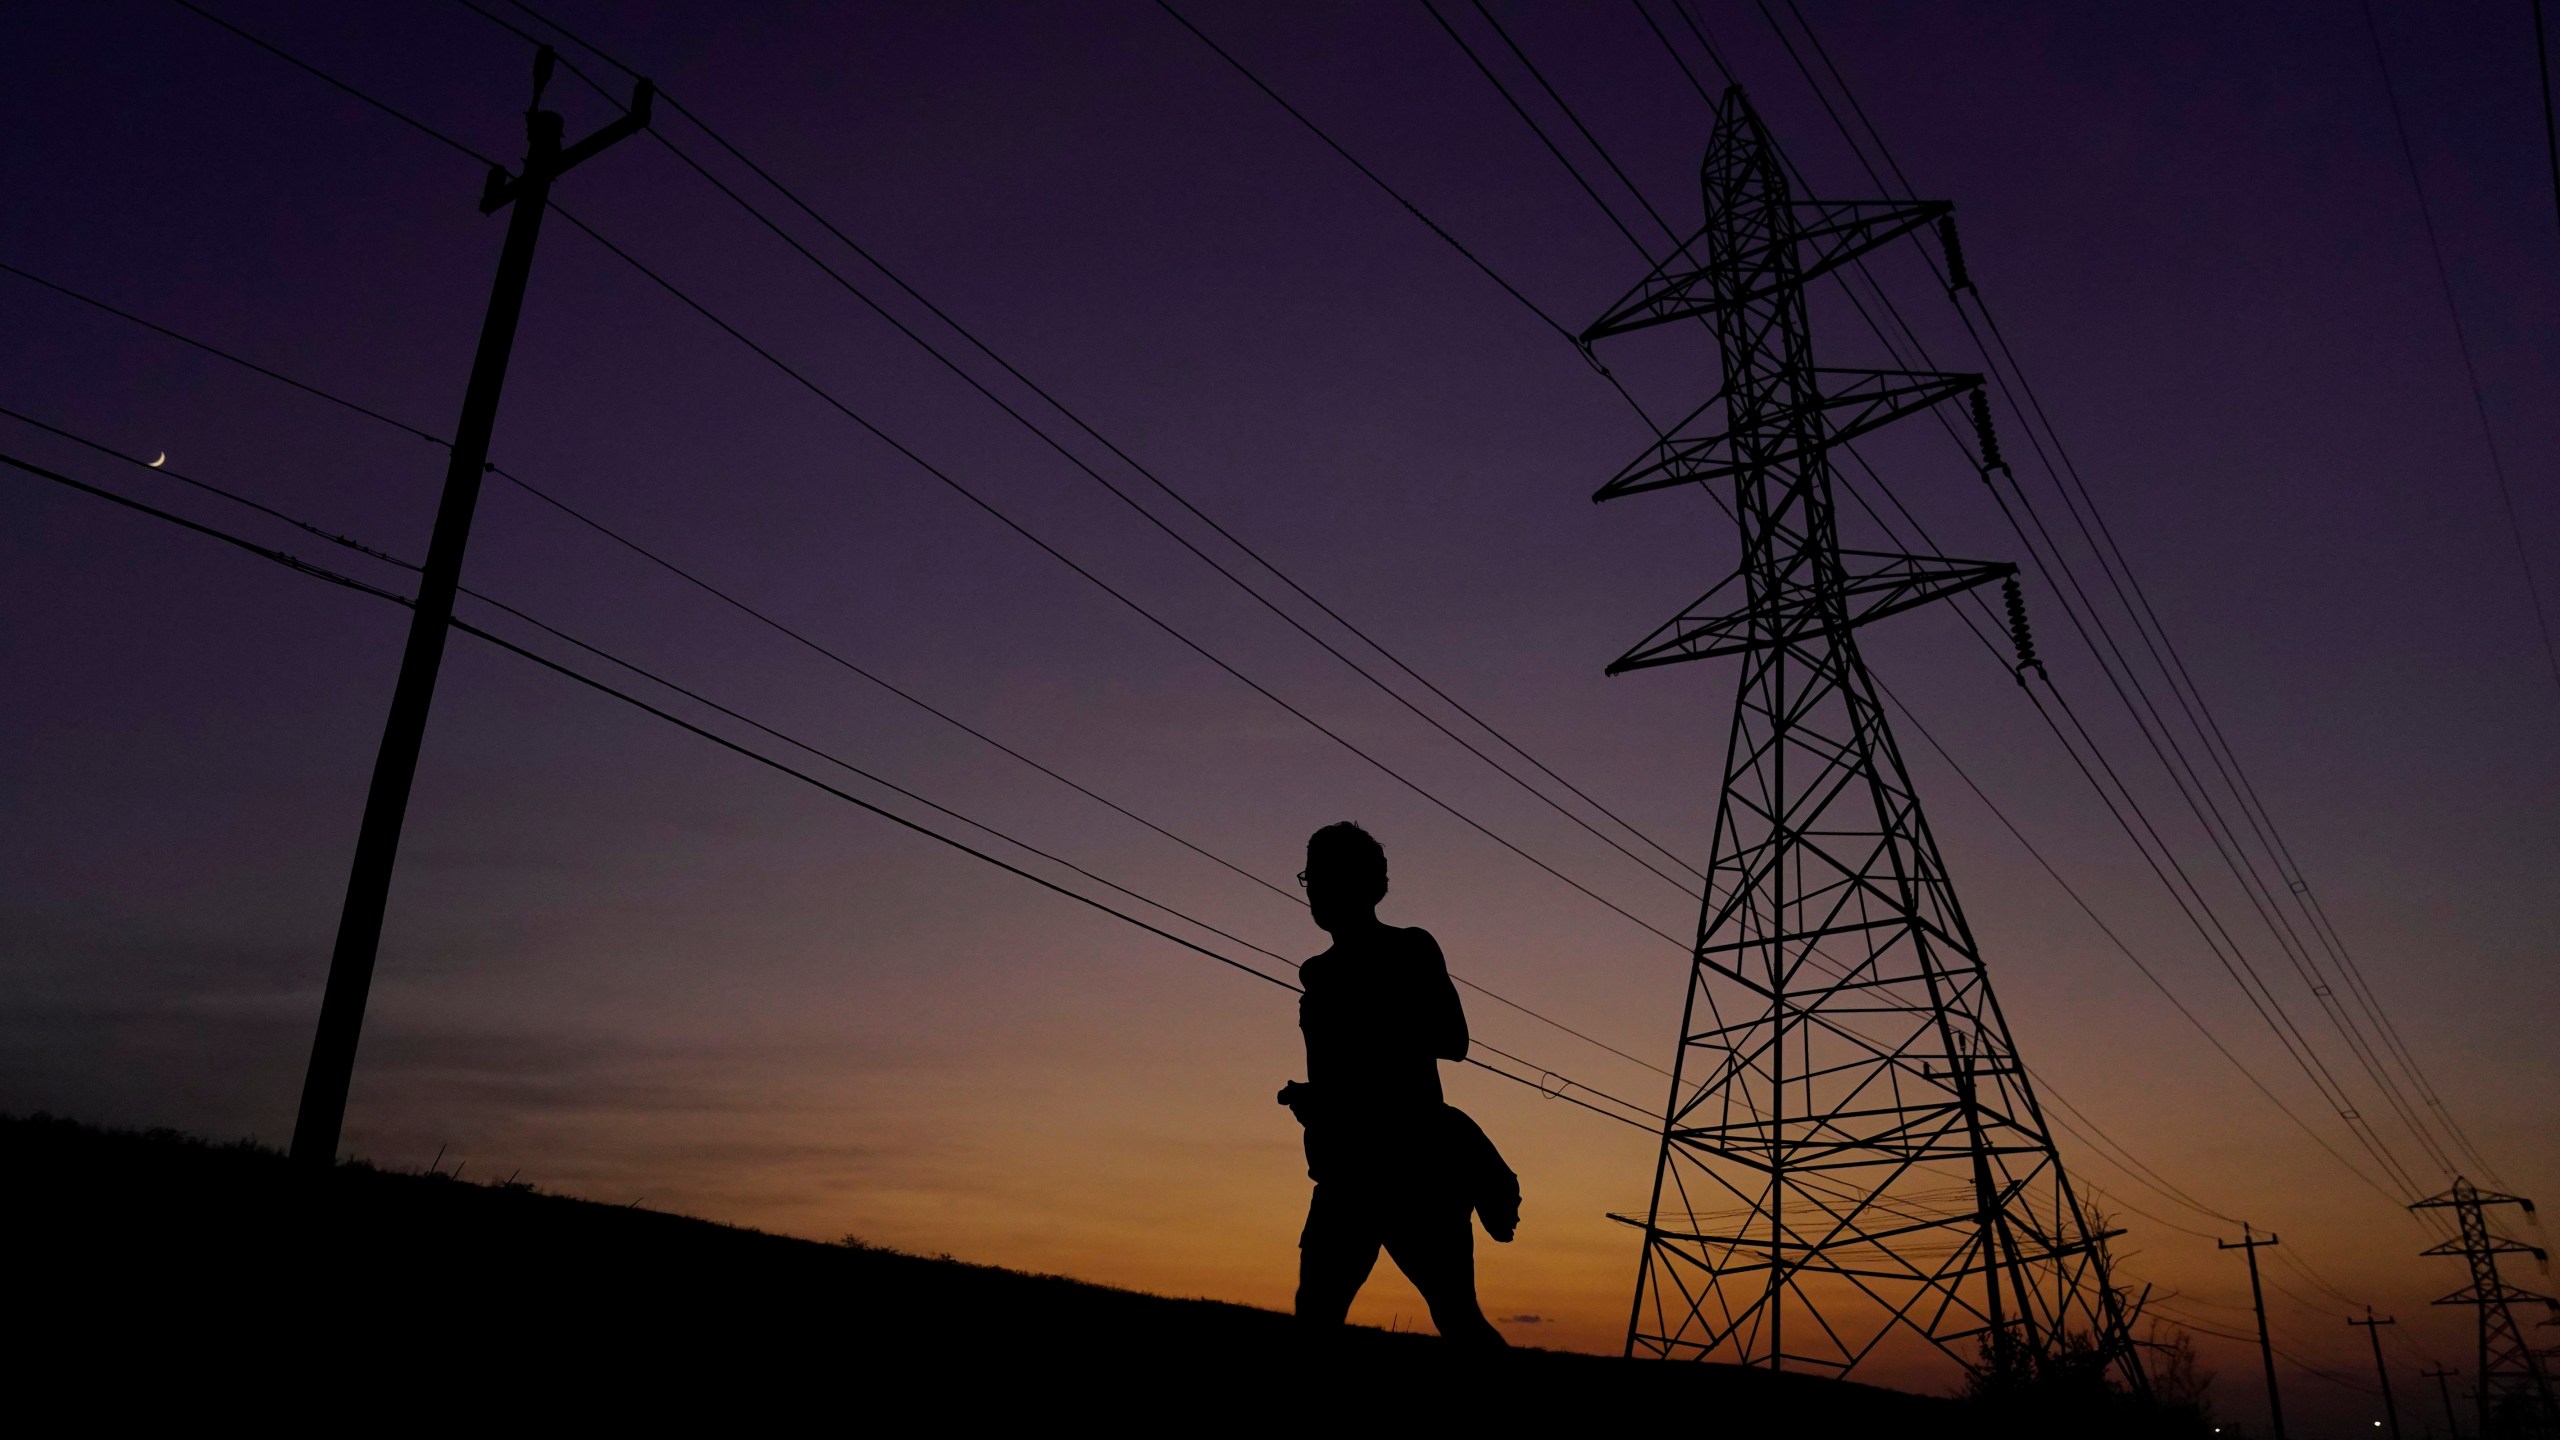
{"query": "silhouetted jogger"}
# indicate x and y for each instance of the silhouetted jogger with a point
(1394, 1165)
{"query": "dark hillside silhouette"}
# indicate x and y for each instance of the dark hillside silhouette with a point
(158, 1274)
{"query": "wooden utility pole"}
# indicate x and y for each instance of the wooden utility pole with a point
(2373, 1331)
(2250, 1245)
(2442, 1375)
(386, 804)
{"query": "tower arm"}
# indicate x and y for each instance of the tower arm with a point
(1828, 234)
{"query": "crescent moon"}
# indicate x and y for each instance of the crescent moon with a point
(163, 460)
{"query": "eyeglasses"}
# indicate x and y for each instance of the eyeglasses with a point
(1302, 879)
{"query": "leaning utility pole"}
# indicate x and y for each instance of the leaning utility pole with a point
(2443, 1375)
(2381, 1372)
(2514, 1389)
(395, 766)
(1851, 1156)
(2250, 1245)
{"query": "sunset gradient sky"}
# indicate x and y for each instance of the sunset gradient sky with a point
(626, 964)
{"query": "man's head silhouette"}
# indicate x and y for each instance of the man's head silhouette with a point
(1346, 877)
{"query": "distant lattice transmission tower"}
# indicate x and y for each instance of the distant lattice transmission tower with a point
(2515, 1384)
(1854, 1169)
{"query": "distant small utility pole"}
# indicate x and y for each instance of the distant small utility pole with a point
(2249, 1245)
(395, 766)
(2442, 1375)
(2382, 1372)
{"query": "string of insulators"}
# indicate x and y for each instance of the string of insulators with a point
(1983, 433)
(2019, 634)
(1957, 278)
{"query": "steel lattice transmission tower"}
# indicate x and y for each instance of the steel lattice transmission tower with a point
(1853, 1164)
(2515, 1387)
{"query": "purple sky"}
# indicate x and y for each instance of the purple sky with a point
(630, 964)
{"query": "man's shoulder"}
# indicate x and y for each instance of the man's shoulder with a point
(1419, 941)
(1417, 954)
(1395, 950)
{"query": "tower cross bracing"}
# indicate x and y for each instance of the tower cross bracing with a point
(1852, 1156)
(2515, 1392)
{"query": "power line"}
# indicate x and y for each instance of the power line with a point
(1674, 52)
(1047, 397)
(2550, 126)
(2190, 698)
(221, 354)
(2224, 759)
(332, 81)
(2217, 747)
(733, 713)
(1258, 83)
(555, 632)
(837, 658)
(349, 582)
(1888, 301)
(2194, 1020)
(2096, 1192)
(1555, 96)
(655, 559)
(999, 745)
(590, 522)
(2305, 1366)
(2262, 821)
(1410, 208)
(910, 454)
(1534, 128)
(727, 598)
(2346, 1110)
(946, 479)
(2462, 337)
(1176, 536)
(1697, 31)
(2281, 1022)
(2207, 812)
(831, 400)
(2109, 931)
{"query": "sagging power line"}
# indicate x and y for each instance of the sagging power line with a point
(2081, 504)
(1010, 522)
(1834, 1111)
(1550, 1082)
(2127, 811)
(1488, 18)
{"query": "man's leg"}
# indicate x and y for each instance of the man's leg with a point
(1435, 1246)
(1335, 1254)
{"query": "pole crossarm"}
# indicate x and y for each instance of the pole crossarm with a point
(1844, 1072)
(547, 163)
(2372, 1325)
(1881, 585)
(1867, 401)
(2249, 1245)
